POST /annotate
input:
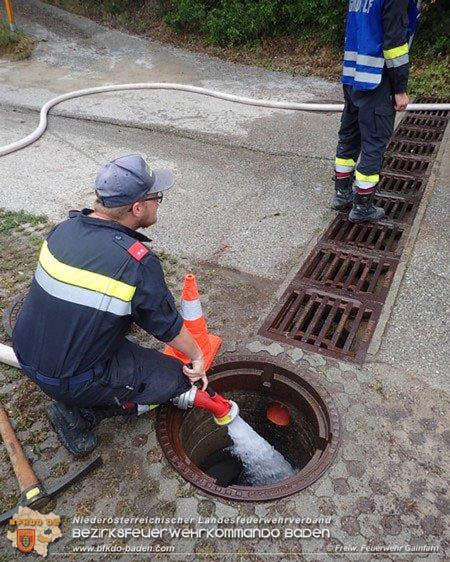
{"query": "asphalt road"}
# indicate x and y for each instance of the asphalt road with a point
(231, 206)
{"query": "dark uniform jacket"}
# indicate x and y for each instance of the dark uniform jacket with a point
(94, 278)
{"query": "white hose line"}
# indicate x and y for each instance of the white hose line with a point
(192, 89)
(8, 356)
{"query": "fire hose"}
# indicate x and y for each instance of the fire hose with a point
(329, 107)
(224, 411)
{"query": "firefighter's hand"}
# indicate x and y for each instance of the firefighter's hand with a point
(196, 372)
(401, 101)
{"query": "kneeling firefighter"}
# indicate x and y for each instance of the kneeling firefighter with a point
(375, 77)
(95, 277)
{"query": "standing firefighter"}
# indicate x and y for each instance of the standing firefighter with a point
(375, 77)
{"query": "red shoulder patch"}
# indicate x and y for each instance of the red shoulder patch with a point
(138, 251)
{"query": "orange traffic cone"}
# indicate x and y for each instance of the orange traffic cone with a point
(191, 311)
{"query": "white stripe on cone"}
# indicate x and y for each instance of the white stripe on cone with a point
(191, 310)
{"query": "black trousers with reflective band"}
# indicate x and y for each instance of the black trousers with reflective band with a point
(367, 124)
(137, 374)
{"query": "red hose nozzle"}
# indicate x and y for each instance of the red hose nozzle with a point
(216, 404)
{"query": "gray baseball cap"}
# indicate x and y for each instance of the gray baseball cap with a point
(127, 179)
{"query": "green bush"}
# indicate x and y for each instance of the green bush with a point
(432, 37)
(236, 22)
(110, 7)
(8, 37)
(431, 79)
(187, 16)
(310, 19)
(14, 44)
(233, 22)
(115, 7)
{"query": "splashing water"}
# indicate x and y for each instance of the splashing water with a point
(263, 464)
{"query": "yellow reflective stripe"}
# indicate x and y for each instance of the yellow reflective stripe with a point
(396, 51)
(343, 162)
(83, 278)
(362, 177)
(31, 493)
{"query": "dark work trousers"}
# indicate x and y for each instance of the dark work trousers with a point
(134, 373)
(367, 124)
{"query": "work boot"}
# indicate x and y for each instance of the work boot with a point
(364, 210)
(343, 196)
(72, 429)
(93, 416)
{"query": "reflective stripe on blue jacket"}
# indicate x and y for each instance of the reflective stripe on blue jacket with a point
(367, 45)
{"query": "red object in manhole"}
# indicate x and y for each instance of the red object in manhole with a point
(278, 413)
(309, 442)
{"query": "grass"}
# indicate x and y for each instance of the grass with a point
(11, 220)
(431, 78)
(21, 236)
(12, 373)
(61, 468)
(15, 45)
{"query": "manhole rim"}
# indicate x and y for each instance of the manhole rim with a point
(309, 474)
(8, 311)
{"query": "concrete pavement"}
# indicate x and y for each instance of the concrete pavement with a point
(248, 177)
(74, 53)
(230, 206)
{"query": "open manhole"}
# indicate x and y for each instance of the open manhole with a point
(199, 449)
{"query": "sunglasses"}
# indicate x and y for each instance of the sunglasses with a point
(158, 198)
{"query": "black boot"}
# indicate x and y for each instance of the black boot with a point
(72, 429)
(343, 197)
(93, 416)
(364, 210)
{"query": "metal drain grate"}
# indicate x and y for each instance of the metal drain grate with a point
(347, 272)
(416, 133)
(434, 112)
(337, 326)
(405, 165)
(400, 185)
(431, 121)
(397, 209)
(411, 148)
(430, 99)
(378, 237)
(333, 303)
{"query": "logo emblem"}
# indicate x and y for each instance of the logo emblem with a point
(26, 539)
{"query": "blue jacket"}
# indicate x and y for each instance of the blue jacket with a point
(94, 278)
(378, 34)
